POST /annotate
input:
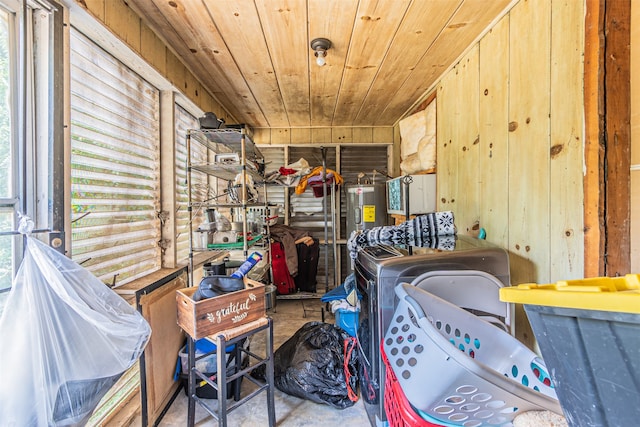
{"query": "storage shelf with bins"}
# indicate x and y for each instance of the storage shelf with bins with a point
(233, 154)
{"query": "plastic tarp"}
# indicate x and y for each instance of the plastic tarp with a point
(65, 340)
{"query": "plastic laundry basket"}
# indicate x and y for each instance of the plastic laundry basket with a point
(396, 406)
(473, 290)
(459, 369)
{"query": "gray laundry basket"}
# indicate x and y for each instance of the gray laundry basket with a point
(475, 291)
(459, 369)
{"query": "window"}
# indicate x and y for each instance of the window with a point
(8, 155)
(30, 110)
(115, 166)
(200, 186)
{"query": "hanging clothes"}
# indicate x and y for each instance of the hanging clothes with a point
(289, 236)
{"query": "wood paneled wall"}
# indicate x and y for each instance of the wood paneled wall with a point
(130, 28)
(510, 139)
(325, 135)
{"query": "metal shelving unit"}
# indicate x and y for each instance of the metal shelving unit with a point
(250, 163)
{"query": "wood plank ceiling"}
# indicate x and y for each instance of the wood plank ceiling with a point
(254, 56)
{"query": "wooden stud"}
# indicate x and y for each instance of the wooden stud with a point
(617, 137)
(593, 182)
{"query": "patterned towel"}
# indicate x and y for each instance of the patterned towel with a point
(433, 230)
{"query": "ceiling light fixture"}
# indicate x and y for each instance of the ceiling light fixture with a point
(320, 47)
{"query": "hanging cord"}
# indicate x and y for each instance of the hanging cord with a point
(371, 392)
(349, 345)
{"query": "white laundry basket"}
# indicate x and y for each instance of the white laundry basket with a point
(459, 369)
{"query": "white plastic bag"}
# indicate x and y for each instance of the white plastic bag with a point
(65, 340)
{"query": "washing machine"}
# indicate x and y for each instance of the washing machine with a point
(469, 263)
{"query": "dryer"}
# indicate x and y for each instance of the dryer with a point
(379, 269)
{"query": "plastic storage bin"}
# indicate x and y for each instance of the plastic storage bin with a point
(459, 369)
(205, 391)
(207, 363)
(589, 335)
(208, 366)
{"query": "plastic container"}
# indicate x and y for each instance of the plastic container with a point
(270, 297)
(316, 186)
(206, 364)
(459, 369)
(615, 294)
(205, 391)
(347, 320)
(589, 335)
(475, 291)
(252, 260)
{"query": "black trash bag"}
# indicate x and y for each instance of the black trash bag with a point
(310, 365)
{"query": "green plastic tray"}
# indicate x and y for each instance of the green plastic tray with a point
(235, 245)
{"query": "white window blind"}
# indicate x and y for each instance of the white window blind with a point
(199, 188)
(276, 195)
(115, 176)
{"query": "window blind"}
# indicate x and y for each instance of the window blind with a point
(199, 186)
(115, 176)
(274, 159)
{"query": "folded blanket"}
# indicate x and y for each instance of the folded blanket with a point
(433, 230)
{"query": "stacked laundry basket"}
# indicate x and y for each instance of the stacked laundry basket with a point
(450, 358)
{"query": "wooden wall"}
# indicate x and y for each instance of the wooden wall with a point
(129, 27)
(510, 139)
(325, 135)
(635, 137)
(510, 127)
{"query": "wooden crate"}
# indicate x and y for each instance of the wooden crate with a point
(209, 316)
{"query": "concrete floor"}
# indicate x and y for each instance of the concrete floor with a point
(291, 411)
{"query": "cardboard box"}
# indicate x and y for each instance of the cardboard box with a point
(210, 316)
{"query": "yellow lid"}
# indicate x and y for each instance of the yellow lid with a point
(620, 294)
